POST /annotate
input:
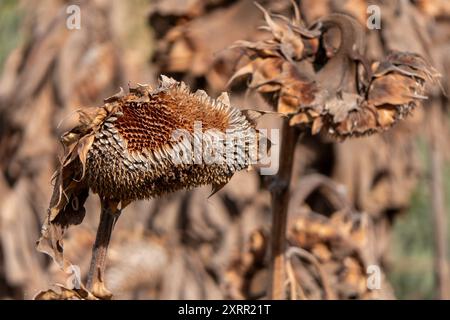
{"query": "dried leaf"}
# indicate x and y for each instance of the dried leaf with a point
(63, 293)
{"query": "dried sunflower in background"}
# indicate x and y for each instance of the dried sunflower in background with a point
(320, 77)
(332, 87)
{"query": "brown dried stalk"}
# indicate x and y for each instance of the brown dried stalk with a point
(280, 204)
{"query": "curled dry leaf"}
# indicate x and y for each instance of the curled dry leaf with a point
(333, 90)
(63, 293)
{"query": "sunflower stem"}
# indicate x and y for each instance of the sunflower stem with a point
(96, 275)
(280, 203)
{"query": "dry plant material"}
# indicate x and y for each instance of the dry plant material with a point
(50, 74)
(63, 293)
(247, 275)
(193, 38)
(82, 67)
(323, 80)
(327, 255)
(436, 8)
(124, 151)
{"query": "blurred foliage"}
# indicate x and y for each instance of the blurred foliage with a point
(411, 266)
(9, 28)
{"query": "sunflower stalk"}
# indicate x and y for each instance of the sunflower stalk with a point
(280, 204)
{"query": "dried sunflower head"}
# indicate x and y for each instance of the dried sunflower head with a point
(153, 142)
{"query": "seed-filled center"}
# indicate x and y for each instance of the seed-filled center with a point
(148, 125)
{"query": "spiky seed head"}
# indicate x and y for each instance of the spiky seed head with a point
(132, 151)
